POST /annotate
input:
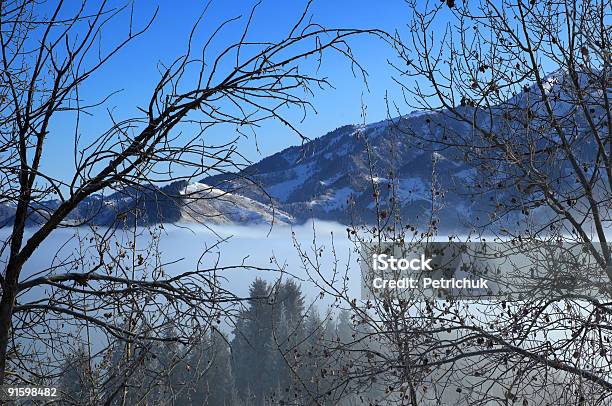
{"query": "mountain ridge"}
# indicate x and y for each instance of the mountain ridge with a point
(353, 175)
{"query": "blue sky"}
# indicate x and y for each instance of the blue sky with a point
(134, 71)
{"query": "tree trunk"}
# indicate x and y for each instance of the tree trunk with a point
(11, 280)
(6, 312)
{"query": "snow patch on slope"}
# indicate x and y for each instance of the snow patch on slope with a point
(282, 190)
(412, 189)
(206, 204)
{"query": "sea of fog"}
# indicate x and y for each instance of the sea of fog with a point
(181, 247)
(189, 247)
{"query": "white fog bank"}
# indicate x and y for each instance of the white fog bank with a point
(182, 246)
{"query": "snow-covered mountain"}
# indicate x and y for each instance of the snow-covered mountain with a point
(205, 204)
(358, 173)
(338, 175)
(333, 177)
(355, 172)
(178, 202)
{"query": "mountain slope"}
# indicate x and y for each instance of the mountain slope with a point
(360, 173)
(175, 203)
(403, 163)
(337, 175)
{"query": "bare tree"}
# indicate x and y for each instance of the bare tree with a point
(530, 86)
(50, 52)
(520, 93)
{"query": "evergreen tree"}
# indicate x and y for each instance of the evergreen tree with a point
(78, 379)
(344, 329)
(314, 359)
(122, 374)
(211, 373)
(252, 347)
(169, 377)
(289, 335)
(267, 349)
